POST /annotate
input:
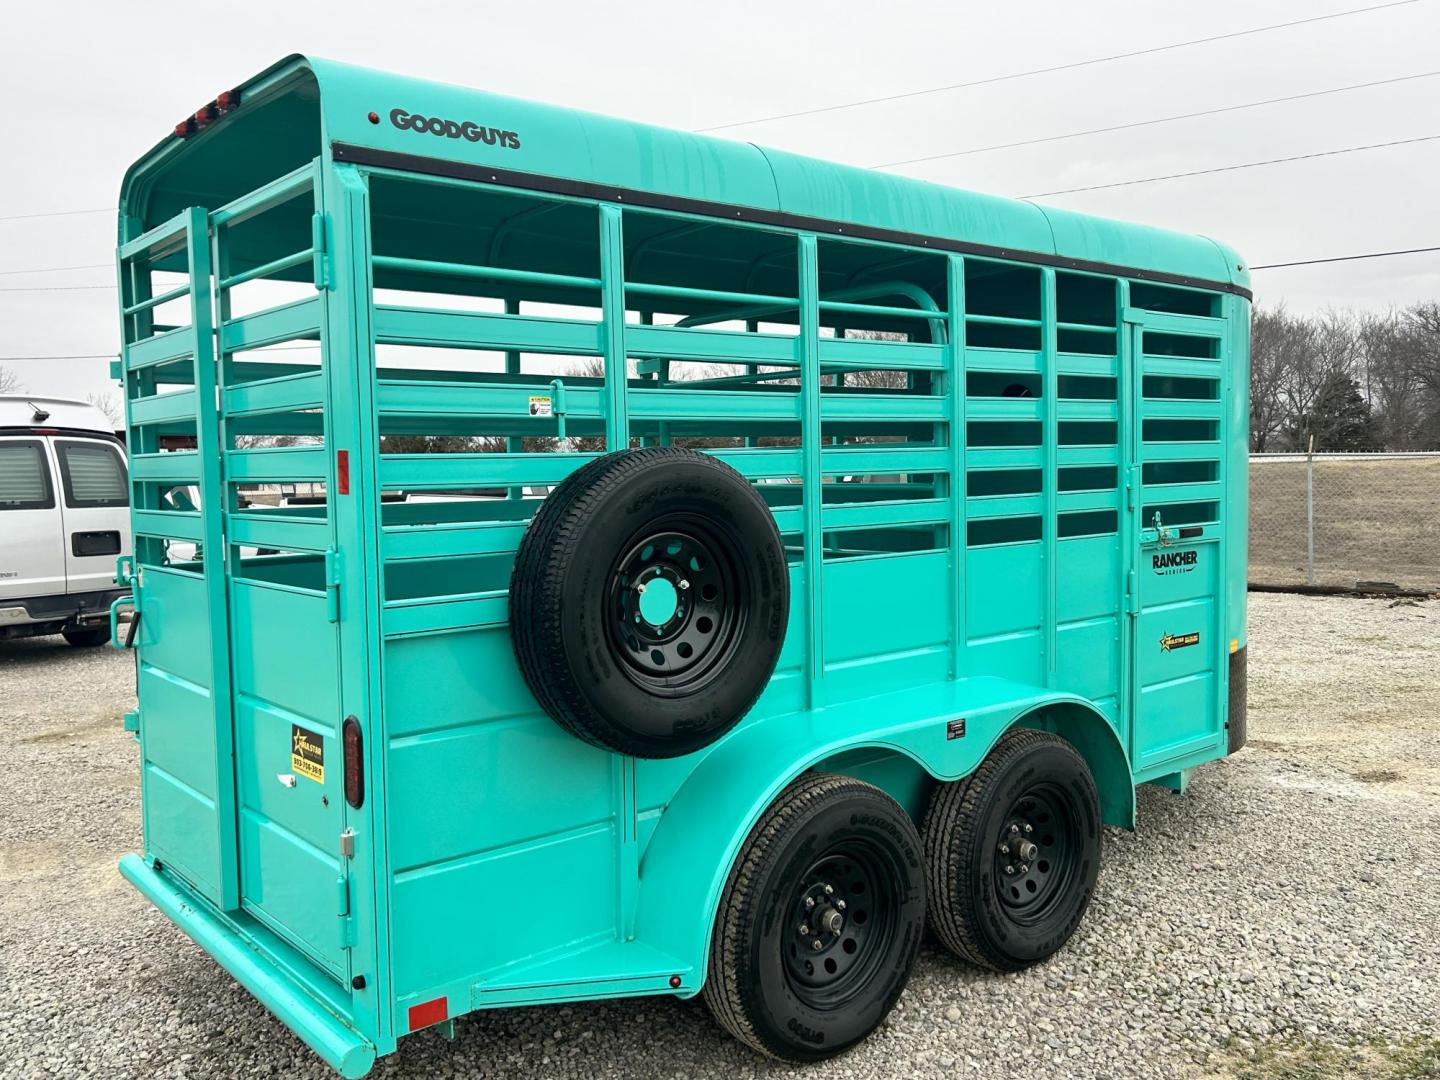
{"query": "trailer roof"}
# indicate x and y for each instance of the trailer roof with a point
(304, 101)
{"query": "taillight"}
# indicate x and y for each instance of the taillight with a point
(354, 762)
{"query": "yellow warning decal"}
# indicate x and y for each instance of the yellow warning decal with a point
(307, 754)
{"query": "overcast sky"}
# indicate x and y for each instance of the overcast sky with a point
(88, 87)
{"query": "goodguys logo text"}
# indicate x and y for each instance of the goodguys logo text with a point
(455, 129)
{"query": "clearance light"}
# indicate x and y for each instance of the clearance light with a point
(350, 739)
(230, 99)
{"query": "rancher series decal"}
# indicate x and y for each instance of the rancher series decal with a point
(307, 754)
(1167, 563)
(1171, 642)
(455, 129)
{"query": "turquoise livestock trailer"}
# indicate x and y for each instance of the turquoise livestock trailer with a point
(728, 560)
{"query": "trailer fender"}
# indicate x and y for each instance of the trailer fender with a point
(688, 859)
(1090, 733)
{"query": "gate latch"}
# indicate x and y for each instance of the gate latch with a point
(347, 844)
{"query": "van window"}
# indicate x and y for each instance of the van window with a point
(24, 476)
(93, 474)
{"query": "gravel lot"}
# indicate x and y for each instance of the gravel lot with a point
(1280, 920)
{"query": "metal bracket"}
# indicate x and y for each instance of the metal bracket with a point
(332, 585)
(347, 844)
(321, 256)
(557, 406)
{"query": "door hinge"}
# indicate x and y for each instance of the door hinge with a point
(347, 844)
(346, 920)
(332, 585)
(321, 256)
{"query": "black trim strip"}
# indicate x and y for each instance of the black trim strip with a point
(455, 170)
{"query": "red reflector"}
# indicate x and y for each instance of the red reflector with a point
(204, 115)
(342, 472)
(427, 1013)
(230, 99)
(354, 762)
(185, 128)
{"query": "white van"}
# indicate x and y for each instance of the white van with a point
(64, 517)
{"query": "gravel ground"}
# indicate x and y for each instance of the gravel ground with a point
(1277, 921)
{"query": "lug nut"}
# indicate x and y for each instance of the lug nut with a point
(1009, 869)
(683, 585)
(829, 890)
(1004, 847)
(804, 929)
(1024, 868)
(1029, 829)
(839, 905)
(816, 945)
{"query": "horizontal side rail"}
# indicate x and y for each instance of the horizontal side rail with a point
(161, 349)
(396, 397)
(163, 298)
(277, 192)
(164, 239)
(163, 408)
(299, 320)
(723, 346)
(179, 467)
(274, 266)
(405, 542)
(169, 524)
(263, 531)
(276, 463)
(486, 273)
(287, 393)
(484, 330)
(861, 354)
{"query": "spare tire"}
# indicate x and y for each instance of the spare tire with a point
(649, 600)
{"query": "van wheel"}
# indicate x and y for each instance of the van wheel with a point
(1012, 852)
(820, 921)
(649, 600)
(87, 639)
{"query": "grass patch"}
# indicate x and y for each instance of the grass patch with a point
(1378, 776)
(1372, 1059)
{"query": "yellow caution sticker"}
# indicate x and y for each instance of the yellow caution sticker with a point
(541, 406)
(307, 754)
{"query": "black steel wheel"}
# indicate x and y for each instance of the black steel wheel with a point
(649, 600)
(820, 921)
(1012, 852)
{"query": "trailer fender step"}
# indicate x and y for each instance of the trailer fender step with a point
(343, 1049)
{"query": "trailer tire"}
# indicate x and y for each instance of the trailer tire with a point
(648, 601)
(1033, 788)
(768, 985)
(87, 638)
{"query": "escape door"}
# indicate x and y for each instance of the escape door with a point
(1175, 496)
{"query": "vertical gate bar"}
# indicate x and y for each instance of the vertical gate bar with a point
(955, 413)
(612, 307)
(212, 503)
(348, 367)
(811, 478)
(1049, 522)
(1128, 477)
(513, 443)
(617, 437)
(752, 326)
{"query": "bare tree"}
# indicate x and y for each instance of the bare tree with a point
(1279, 346)
(10, 382)
(108, 404)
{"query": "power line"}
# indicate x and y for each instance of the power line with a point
(1049, 70)
(58, 213)
(52, 288)
(1232, 168)
(59, 269)
(1347, 258)
(1159, 120)
(116, 353)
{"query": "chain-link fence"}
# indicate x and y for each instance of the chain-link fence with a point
(1343, 519)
